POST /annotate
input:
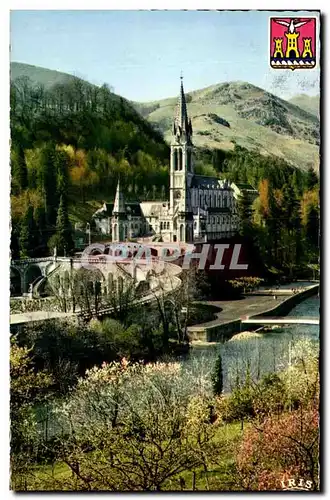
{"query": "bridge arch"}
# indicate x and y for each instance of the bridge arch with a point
(32, 274)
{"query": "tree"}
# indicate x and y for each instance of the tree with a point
(217, 377)
(42, 233)
(143, 425)
(61, 165)
(284, 446)
(312, 225)
(27, 236)
(280, 443)
(63, 240)
(121, 295)
(173, 299)
(47, 181)
(264, 197)
(27, 388)
(14, 242)
(312, 179)
(244, 210)
(18, 169)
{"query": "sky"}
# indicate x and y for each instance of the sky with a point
(141, 54)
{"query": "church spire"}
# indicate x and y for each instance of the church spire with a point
(182, 125)
(119, 206)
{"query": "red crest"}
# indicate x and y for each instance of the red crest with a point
(293, 43)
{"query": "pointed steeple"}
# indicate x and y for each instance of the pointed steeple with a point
(182, 125)
(119, 206)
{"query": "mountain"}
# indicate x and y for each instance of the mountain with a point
(239, 113)
(46, 77)
(311, 104)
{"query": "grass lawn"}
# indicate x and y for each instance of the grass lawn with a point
(218, 477)
(220, 473)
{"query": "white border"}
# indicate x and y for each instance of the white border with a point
(4, 184)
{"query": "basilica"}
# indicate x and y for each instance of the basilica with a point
(200, 208)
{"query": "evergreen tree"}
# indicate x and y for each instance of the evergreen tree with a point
(312, 225)
(311, 179)
(19, 169)
(217, 377)
(244, 210)
(47, 182)
(61, 166)
(27, 236)
(64, 241)
(273, 229)
(14, 242)
(296, 183)
(42, 234)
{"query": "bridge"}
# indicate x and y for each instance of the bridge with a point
(280, 320)
(162, 279)
(27, 272)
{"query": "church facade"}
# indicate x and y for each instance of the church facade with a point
(200, 208)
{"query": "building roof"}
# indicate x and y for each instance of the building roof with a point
(182, 124)
(131, 208)
(119, 205)
(208, 182)
(154, 208)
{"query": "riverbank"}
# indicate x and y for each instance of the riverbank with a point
(228, 319)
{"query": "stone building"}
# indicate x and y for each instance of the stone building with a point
(200, 208)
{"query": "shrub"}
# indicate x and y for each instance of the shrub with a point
(280, 447)
(217, 377)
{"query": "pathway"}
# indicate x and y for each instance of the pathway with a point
(280, 320)
(249, 305)
(27, 317)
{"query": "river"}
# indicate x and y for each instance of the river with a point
(263, 352)
(267, 352)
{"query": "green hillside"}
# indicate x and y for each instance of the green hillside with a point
(71, 141)
(42, 76)
(311, 104)
(240, 113)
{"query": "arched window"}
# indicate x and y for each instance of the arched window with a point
(168, 225)
(182, 232)
(225, 202)
(175, 159)
(115, 235)
(189, 160)
(180, 159)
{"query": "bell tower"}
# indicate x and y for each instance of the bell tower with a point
(119, 221)
(181, 172)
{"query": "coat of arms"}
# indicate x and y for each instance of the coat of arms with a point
(293, 43)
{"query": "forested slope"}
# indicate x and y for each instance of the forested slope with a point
(75, 140)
